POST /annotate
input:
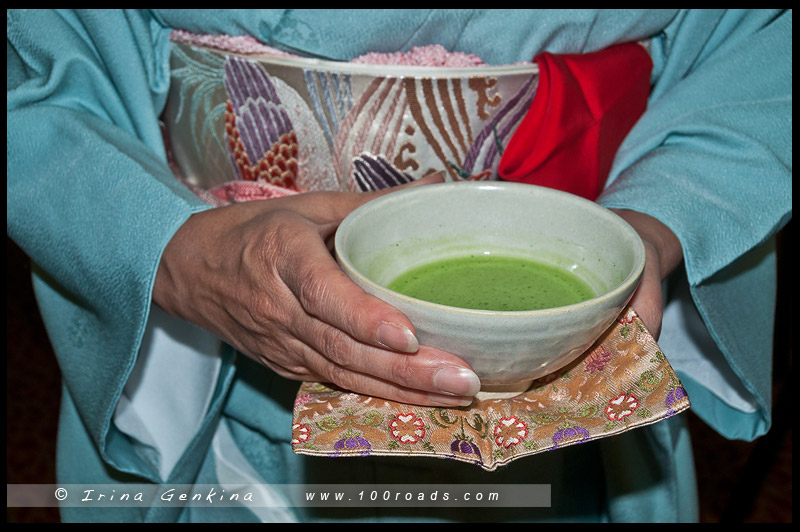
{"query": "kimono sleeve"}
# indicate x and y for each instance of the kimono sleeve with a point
(90, 197)
(712, 159)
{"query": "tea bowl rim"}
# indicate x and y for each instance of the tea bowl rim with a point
(629, 283)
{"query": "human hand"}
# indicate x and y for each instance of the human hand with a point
(261, 276)
(663, 253)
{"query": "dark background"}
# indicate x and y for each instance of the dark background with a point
(738, 481)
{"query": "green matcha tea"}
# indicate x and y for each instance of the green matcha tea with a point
(490, 282)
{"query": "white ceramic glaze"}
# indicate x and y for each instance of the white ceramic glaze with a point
(389, 235)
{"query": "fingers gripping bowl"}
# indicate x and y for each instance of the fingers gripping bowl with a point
(508, 349)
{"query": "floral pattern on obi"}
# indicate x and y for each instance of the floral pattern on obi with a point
(249, 126)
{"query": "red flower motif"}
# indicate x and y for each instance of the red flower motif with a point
(510, 431)
(621, 407)
(300, 433)
(407, 428)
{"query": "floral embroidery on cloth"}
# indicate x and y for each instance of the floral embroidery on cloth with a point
(613, 388)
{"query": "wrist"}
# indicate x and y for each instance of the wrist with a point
(658, 236)
(180, 263)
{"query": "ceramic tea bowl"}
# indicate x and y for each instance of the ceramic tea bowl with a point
(399, 231)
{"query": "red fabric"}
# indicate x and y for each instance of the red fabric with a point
(584, 106)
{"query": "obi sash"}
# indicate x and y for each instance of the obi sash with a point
(243, 124)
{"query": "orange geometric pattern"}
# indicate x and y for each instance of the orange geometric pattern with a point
(277, 166)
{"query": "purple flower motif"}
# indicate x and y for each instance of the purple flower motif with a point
(356, 443)
(569, 435)
(677, 399)
(466, 449)
(675, 395)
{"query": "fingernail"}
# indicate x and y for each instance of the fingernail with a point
(457, 381)
(449, 402)
(397, 337)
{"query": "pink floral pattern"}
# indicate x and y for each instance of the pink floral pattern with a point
(597, 360)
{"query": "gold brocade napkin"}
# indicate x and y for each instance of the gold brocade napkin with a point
(623, 382)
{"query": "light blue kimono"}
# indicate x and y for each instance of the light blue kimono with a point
(93, 202)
